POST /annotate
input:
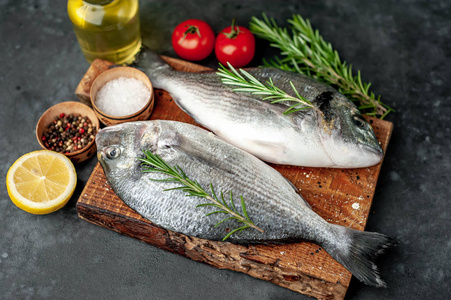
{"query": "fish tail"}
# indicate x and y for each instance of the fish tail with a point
(155, 68)
(357, 252)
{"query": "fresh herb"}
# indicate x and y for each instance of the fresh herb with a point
(305, 51)
(245, 82)
(154, 163)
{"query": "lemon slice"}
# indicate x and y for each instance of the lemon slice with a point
(41, 182)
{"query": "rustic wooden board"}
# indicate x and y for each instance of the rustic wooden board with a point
(340, 196)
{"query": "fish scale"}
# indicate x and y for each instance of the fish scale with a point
(207, 92)
(271, 201)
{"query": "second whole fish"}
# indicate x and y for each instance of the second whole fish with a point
(338, 137)
(271, 201)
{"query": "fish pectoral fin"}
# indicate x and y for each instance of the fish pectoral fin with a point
(195, 152)
(269, 151)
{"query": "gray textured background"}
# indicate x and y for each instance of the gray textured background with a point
(402, 47)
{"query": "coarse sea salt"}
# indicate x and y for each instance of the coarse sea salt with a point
(122, 97)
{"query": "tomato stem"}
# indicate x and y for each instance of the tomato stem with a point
(191, 30)
(234, 32)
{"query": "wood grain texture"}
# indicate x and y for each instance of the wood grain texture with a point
(340, 196)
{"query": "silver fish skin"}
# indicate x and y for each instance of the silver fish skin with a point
(272, 202)
(339, 138)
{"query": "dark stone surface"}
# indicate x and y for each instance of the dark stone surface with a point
(402, 47)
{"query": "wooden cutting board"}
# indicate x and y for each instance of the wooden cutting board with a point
(340, 196)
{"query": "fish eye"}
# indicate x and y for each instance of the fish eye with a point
(113, 152)
(358, 121)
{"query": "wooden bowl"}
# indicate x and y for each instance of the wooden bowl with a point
(67, 108)
(115, 73)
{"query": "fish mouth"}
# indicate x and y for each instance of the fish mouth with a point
(102, 142)
(100, 156)
(376, 150)
(101, 159)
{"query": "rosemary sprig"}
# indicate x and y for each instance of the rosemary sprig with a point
(305, 51)
(245, 82)
(154, 163)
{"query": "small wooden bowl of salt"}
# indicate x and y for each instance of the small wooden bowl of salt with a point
(122, 94)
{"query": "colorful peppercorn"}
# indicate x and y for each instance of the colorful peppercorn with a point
(68, 133)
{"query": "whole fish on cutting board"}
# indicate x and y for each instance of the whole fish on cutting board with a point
(272, 202)
(339, 137)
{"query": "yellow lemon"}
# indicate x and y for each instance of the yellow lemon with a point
(41, 182)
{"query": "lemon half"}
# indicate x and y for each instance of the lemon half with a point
(41, 182)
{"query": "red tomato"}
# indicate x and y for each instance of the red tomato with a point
(236, 45)
(193, 39)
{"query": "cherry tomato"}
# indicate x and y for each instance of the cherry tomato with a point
(236, 45)
(193, 39)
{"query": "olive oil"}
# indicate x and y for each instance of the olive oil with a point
(106, 29)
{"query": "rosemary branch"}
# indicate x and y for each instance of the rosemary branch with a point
(306, 52)
(245, 82)
(154, 163)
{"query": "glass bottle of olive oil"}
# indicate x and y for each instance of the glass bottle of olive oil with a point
(106, 29)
